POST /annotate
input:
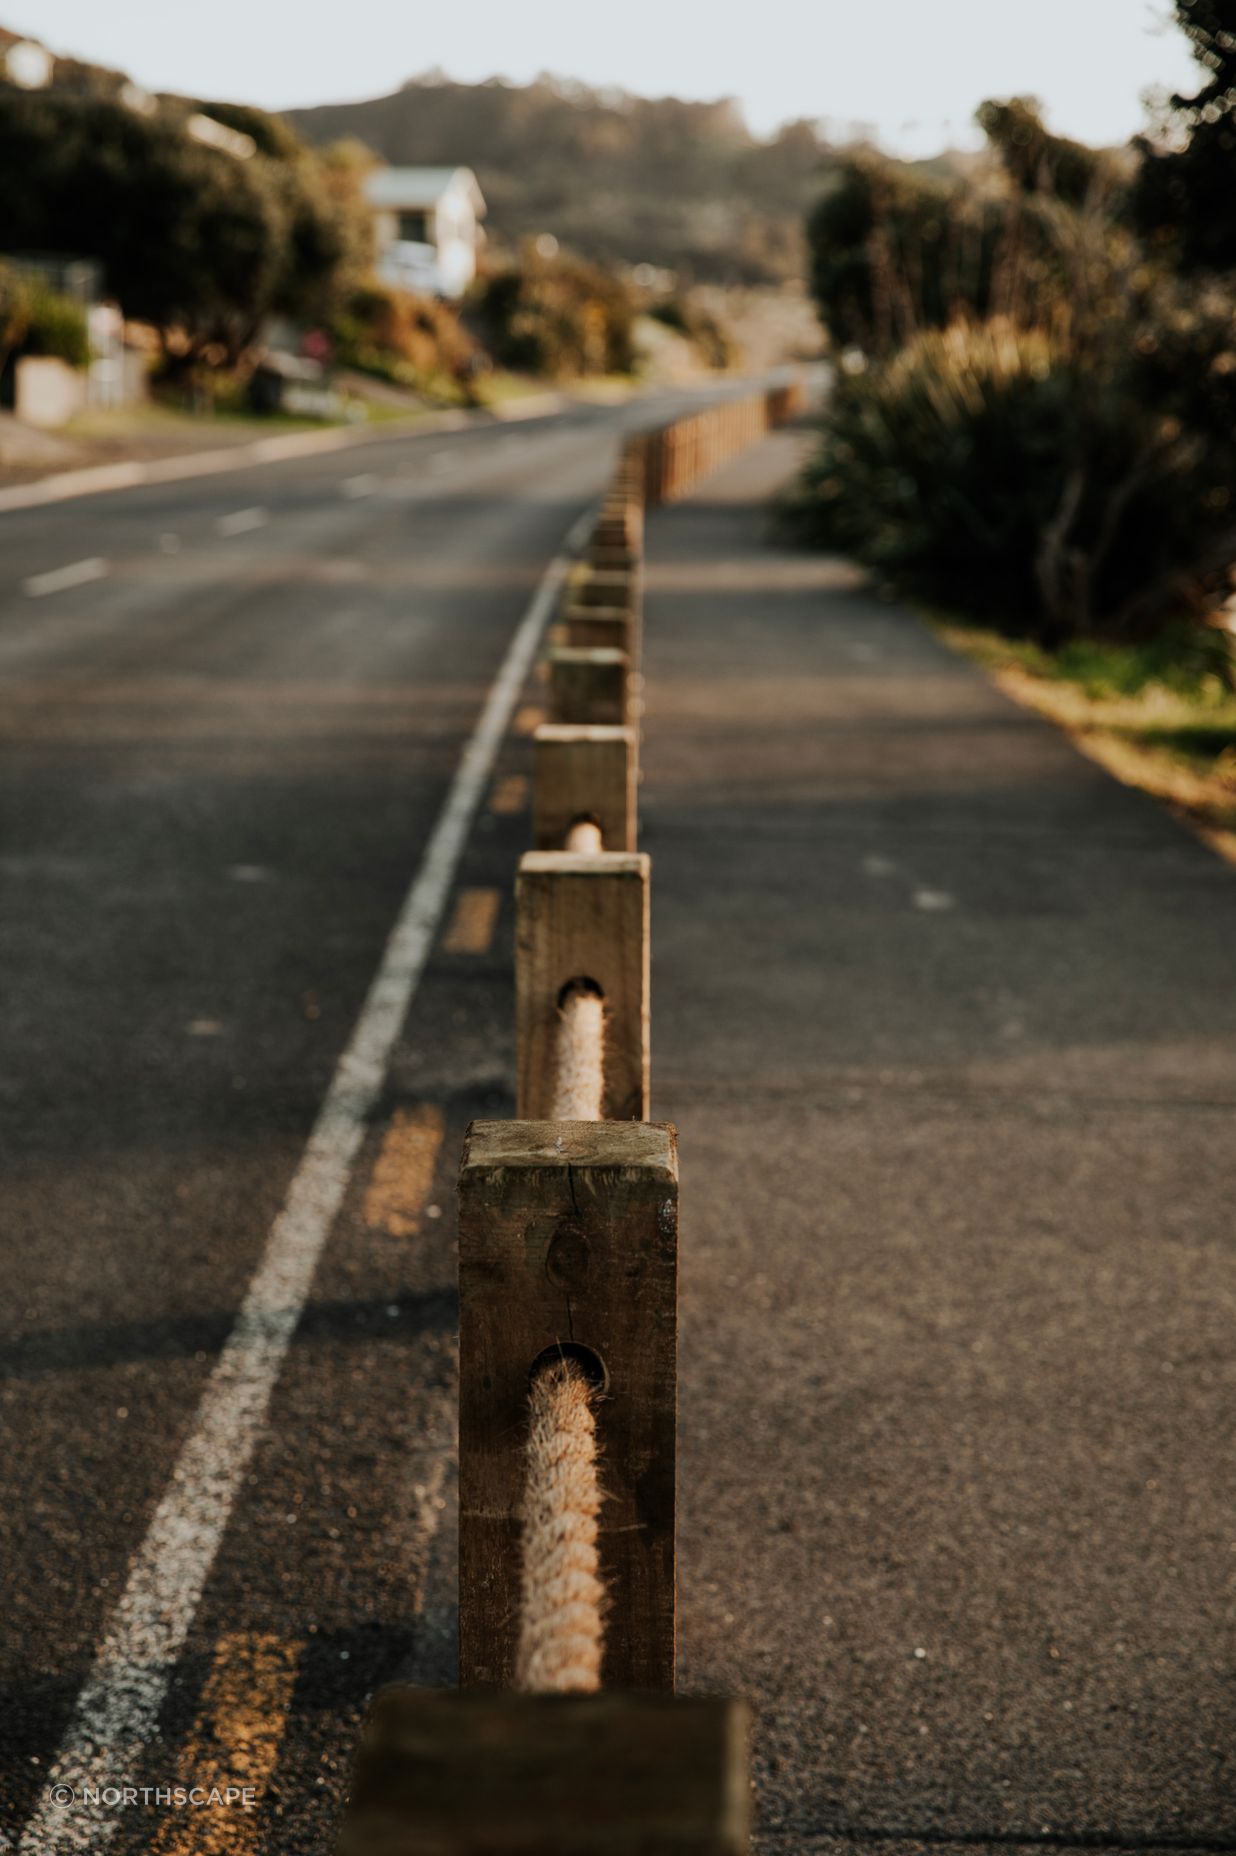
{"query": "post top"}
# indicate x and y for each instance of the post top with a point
(586, 654)
(520, 1145)
(585, 863)
(583, 731)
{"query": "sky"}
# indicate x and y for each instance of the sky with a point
(911, 70)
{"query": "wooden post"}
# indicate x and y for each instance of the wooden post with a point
(587, 772)
(588, 686)
(604, 558)
(613, 592)
(568, 1237)
(606, 589)
(582, 918)
(589, 627)
(440, 1773)
(617, 529)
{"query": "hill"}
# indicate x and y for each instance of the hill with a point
(618, 178)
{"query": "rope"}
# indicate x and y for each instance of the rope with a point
(561, 1594)
(579, 1084)
(583, 835)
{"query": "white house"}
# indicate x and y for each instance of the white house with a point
(428, 227)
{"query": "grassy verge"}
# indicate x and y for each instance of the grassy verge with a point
(1159, 717)
(154, 420)
(500, 388)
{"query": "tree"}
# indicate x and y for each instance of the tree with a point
(199, 243)
(1184, 200)
(558, 316)
(1035, 160)
(893, 252)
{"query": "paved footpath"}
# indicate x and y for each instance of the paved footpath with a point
(947, 1019)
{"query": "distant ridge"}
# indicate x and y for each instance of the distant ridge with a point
(616, 177)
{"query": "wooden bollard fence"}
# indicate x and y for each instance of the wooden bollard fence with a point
(568, 1249)
(604, 627)
(441, 1774)
(617, 530)
(568, 1243)
(582, 918)
(606, 559)
(609, 588)
(583, 773)
(670, 460)
(589, 686)
(611, 591)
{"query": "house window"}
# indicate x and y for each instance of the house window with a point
(414, 227)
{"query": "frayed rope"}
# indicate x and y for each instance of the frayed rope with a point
(579, 1057)
(560, 1637)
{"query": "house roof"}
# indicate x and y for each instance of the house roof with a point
(421, 187)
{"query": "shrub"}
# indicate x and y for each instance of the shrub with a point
(56, 325)
(34, 319)
(1028, 477)
(699, 326)
(411, 340)
(558, 317)
(893, 251)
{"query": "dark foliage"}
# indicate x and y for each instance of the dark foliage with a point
(190, 239)
(1037, 161)
(893, 251)
(1047, 438)
(558, 317)
(1184, 201)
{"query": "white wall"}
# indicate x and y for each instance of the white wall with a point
(47, 392)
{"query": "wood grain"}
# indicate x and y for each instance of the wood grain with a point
(584, 772)
(446, 1774)
(587, 628)
(582, 917)
(588, 686)
(568, 1233)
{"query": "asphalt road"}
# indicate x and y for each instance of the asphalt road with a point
(224, 742)
(947, 1021)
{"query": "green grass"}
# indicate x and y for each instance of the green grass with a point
(1201, 743)
(501, 388)
(1195, 666)
(154, 420)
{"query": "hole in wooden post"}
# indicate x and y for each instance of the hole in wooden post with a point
(590, 1364)
(580, 984)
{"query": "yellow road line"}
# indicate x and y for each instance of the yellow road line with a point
(234, 1742)
(471, 929)
(510, 795)
(404, 1171)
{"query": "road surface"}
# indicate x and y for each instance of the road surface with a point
(231, 713)
(947, 1020)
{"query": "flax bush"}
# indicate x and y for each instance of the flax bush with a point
(1058, 487)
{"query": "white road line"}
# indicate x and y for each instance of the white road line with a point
(61, 578)
(241, 521)
(117, 1710)
(364, 485)
(934, 899)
